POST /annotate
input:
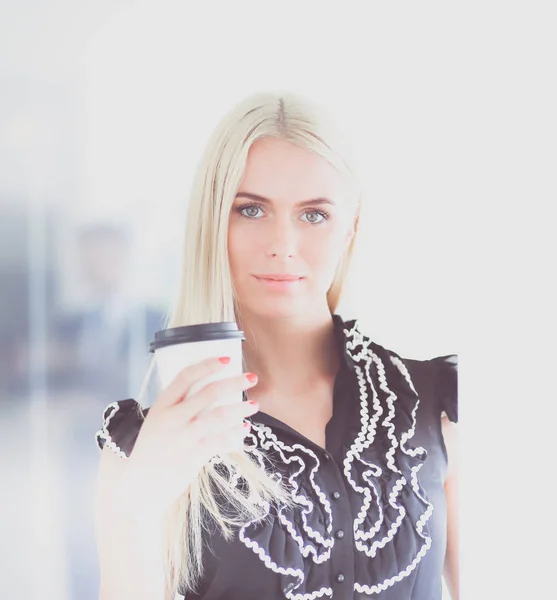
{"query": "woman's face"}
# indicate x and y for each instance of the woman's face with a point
(297, 223)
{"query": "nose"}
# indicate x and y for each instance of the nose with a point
(282, 241)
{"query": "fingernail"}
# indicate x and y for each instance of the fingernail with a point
(251, 377)
(247, 425)
(253, 402)
(224, 360)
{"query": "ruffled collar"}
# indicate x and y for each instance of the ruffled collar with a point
(380, 468)
(341, 329)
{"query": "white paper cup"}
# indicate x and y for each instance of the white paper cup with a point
(178, 347)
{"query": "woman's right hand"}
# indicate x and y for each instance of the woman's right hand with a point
(180, 435)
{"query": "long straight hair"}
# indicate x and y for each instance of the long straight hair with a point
(206, 294)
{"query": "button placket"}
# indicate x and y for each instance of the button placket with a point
(342, 554)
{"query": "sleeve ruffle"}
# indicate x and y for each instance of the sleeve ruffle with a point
(447, 384)
(120, 427)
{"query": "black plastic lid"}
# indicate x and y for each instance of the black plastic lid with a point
(196, 333)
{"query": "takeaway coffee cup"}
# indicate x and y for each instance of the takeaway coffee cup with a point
(178, 347)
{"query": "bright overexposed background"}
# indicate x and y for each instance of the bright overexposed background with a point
(105, 110)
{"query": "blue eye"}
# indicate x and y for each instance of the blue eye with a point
(323, 216)
(250, 211)
(247, 207)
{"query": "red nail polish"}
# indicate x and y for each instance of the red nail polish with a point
(224, 360)
(251, 377)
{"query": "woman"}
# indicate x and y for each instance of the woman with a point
(342, 483)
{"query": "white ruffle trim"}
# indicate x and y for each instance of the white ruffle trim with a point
(364, 440)
(103, 433)
(263, 437)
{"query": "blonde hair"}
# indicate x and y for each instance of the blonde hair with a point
(206, 294)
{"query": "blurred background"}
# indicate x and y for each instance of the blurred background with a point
(105, 108)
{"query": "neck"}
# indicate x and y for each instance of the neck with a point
(290, 355)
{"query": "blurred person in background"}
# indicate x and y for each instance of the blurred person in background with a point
(96, 352)
(105, 345)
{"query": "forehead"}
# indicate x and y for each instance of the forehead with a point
(280, 170)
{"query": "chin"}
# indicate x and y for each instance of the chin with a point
(276, 309)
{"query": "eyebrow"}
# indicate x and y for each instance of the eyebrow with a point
(264, 200)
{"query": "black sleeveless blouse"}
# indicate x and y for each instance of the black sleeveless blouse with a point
(370, 513)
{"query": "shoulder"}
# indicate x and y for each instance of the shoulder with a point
(434, 384)
(435, 379)
(120, 425)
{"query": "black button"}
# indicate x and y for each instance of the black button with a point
(340, 534)
(326, 456)
(336, 495)
(340, 577)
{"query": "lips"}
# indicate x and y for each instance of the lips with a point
(279, 277)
